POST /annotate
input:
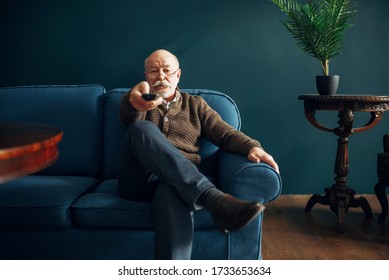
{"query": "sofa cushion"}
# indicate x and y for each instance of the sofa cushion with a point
(77, 110)
(105, 209)
(40, 202)
(110, 211)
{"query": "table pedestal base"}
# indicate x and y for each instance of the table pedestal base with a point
(340, 201)
(339, 196)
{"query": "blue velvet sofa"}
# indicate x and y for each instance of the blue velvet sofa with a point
(71, 210)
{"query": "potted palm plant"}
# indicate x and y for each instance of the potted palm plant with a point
(318, 27)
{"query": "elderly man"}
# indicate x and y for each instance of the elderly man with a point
(161, 148)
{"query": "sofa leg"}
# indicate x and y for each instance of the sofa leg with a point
(380, 192)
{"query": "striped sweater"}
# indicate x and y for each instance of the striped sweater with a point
(188, 119)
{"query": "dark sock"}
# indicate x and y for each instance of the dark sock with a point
(208, 197)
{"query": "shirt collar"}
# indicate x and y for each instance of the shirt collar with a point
(167, 105)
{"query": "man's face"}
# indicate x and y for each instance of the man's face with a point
(163, 74)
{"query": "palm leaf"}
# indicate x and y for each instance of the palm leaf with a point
(318, 26)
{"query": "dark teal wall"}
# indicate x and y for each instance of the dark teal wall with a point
(238, 47)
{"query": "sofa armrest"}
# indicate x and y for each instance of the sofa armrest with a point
(248, 180)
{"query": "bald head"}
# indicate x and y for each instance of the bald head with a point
(161, 56)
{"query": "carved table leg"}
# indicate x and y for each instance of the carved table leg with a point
(339, 196)
(341, 213)
(337, 202)
(318, 198)
(340, 201)
(363, 203)
(341, 193)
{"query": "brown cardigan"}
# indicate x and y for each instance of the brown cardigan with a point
(188, 119)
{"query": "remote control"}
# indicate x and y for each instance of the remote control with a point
(149, 96)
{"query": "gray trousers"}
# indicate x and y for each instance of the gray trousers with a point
(152, 169)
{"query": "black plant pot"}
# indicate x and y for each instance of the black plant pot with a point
(327, 85)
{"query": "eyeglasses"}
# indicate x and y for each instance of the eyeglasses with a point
(166, 72)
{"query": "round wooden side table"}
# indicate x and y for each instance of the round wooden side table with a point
(26, 148)
(339, 196)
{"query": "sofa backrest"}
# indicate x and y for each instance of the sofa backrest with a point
(90, 120)
(113, 132)
(77, 110)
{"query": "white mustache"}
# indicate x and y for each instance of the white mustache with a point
(161, 83)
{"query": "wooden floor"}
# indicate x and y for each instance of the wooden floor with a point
(291, 234)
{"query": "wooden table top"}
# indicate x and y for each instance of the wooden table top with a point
(26, 148)
(354, 102)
